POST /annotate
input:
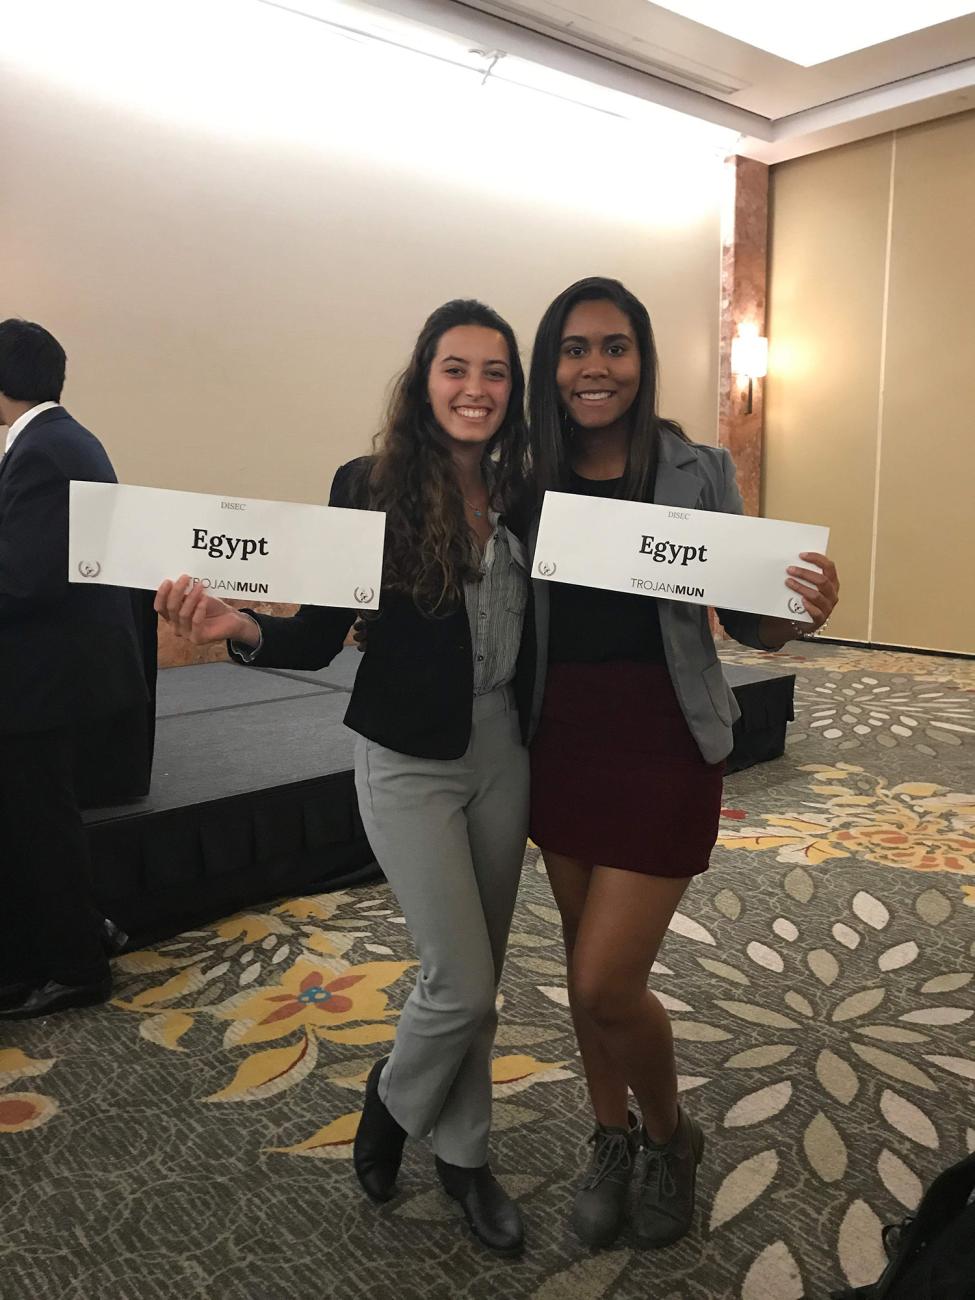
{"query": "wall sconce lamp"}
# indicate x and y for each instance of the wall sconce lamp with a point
(749, 358)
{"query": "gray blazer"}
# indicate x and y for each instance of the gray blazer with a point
(702, 478)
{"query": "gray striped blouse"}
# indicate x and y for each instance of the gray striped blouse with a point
(496, 609)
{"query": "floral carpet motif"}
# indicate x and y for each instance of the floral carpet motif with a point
(193, 1138)
(853, 815)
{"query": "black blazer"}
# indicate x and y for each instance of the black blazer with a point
(68, 653)
(415, 686)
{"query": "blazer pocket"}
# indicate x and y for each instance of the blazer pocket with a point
(714, 680)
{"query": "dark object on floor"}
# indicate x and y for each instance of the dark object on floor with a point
(378, 1147)
(491, 1214)
(53, 997)
(114, 938)
(11, 994)
(932, 1252)
(765, 697)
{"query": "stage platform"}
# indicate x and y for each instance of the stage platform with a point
(253, 797)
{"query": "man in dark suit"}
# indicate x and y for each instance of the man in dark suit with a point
(69, 658)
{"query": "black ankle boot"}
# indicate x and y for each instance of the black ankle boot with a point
(113, 938)
(378, 1147)
(491, 1214)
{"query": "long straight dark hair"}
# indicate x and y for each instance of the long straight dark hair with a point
(411, 476)
(550, 426)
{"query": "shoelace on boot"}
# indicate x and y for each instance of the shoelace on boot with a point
(659, 1165)
(612, 1152)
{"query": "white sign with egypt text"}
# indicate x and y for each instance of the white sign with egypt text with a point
(701, 556)
(127, 536)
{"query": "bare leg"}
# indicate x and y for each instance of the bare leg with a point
(570, 879)
(614, 927)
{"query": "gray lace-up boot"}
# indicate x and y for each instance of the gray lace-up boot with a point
(597, 1213)
(666, 1175)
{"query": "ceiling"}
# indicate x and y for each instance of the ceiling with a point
(780, 109)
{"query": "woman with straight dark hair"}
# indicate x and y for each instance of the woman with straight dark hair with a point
(441, 771)
(634, 722)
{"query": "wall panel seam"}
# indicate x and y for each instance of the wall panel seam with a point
(881, 388)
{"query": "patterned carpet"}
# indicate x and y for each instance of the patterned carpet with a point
(193, 1138)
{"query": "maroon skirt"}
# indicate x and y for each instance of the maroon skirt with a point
(617, 777)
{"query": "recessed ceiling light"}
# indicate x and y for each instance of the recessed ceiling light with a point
(813, 33)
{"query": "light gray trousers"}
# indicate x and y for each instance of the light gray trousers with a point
(450, 836)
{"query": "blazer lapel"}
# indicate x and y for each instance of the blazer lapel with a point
(540, 615)
(676, 485)
(8, 456)
(533, 535)
(45, 417)
(517, 548)
(539, 585)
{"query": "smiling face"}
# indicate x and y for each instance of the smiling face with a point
(470, 383)
(598, 374)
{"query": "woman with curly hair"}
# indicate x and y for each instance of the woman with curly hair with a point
(441, 771)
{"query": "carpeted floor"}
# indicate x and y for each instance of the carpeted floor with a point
(193, 1138)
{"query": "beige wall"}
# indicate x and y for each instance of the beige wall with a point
(871, 390)
(234, 307)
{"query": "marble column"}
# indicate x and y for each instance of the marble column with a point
(744, 258)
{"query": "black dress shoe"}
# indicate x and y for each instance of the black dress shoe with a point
(491, 1214)
(378, 1147)
(114, 938)
(11, 994)
(53, 997)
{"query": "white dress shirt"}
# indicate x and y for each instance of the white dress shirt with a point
(22, 421)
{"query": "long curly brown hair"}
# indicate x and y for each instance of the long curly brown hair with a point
(429, 552)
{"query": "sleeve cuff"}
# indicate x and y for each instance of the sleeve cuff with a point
(246, 654)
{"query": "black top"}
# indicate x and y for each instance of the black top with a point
(414, 690)
(590, 626)
(69, 653)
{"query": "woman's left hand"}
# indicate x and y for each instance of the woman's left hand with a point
(818, 591)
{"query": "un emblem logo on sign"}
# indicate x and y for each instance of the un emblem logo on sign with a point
(796, 606)
(546, 568)
(89, 568)
(363, 595)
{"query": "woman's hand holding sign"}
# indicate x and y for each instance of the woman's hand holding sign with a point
(201, 618)
(817, 589)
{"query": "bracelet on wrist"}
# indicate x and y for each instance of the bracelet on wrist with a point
(803, 632)
(797, 632)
